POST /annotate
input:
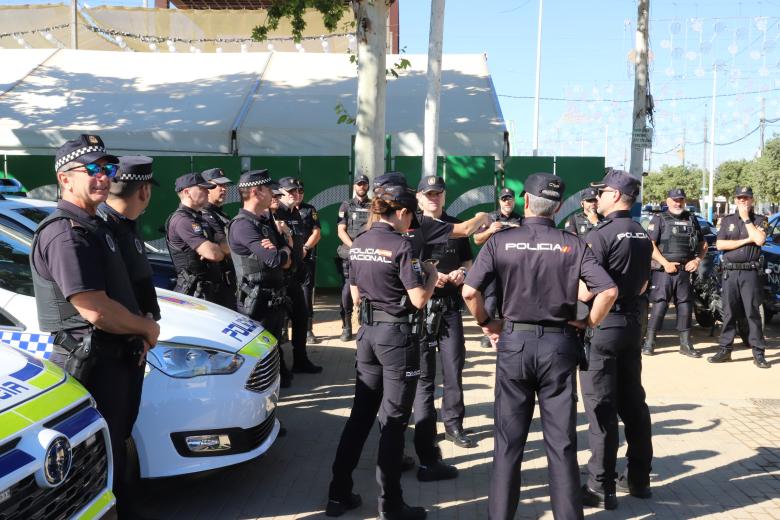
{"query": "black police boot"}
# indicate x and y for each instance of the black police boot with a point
(337, 507)
(407, 463)
(406, 512)
(310, 337)
(436, 470)
(635, 491)
(285, 376)
(459, 438)
(346, 328)
(649, 345)
(305, 366)
(485, 342)
(758, 358)
(593, 498)
(721, 356)
(686, 347)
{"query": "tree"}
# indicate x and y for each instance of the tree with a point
(728, 176)
(371, 26)
(764, 173)
(657, 184)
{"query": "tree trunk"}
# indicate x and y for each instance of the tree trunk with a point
(371, 16)
(431, 129)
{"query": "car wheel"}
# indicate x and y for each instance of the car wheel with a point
(704, 318)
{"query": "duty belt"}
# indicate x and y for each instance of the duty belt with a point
(519, 326)
(384, 317)
(741, 266)
(626, 306)
(449, 303)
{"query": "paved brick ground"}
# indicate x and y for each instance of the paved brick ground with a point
(716, 439)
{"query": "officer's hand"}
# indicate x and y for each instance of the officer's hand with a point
(442, 280)
(693, 265)
(457, 277)
(744, 212)
(492, 330)
(152, 333)
(671, 267)
(578, 324)
(484, 218)
(142, 357)
(267, 244)
(430, 270)
(495, 226)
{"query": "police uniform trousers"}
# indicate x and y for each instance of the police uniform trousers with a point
(388, 360)
(424, 407)
(346, 295)
(309, 276)
(741, 295)
(674, 287)
(452, 351)
(299, 315)
(612, 387)
(115, 382)
(529, 364)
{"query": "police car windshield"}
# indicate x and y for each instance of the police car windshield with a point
(15, 275)
(34, 214)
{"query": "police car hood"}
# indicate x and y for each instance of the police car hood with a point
(23, 377)
(191, 321)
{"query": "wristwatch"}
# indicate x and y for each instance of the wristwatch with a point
(485, 322)
(747, 221)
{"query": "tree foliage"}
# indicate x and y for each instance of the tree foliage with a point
(728, 176)
(657, 184)
(332, 12)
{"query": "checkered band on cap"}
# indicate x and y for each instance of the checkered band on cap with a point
(75, 154)
(260, 182)
(134, 177)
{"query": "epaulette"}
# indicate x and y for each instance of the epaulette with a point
(603, 223)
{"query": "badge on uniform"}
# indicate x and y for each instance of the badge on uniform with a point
(731, 227)
(196, 228)
(431, 181)
(651, 227)
(416, 266)
(138, 246)
(314, 216)
(582, 229)
(110, 243)
(92, 139)
(264, 231)
(341, 214)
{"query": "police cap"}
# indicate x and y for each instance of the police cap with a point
(135, 168)
(402, 195)
(361, 178)
(257, 178)
(589, 194)
(545, 185)
(289, 183)
(188, 180)
(86, 149)
(676, 193)
(431, 183)
(506, 193)
(620, 180)
(394, 178)
(215, 176)
(744, 191)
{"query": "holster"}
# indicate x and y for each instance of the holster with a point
(81, 355)
(249, 297)
(434, 312)
(365, 314)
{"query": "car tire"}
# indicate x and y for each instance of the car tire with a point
(704, 318)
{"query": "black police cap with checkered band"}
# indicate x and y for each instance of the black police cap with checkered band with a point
(86, 149)
(135, 168)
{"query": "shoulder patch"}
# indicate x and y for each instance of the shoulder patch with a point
(651, 227)
(416, 266)
(341, 214)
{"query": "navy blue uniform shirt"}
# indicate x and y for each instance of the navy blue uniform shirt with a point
(537, 268)
(245, 239)
(732, 228)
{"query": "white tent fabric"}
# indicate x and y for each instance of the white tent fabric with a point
(250, 104)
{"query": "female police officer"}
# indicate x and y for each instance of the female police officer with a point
(391, 285)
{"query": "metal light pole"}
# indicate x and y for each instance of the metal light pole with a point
(538, 80)
(712, 142)
(74, 27)
(639, 119)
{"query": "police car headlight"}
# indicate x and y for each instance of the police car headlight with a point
(183, 361)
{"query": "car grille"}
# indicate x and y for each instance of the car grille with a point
(87, 478)
(265, 372)
(257, 435)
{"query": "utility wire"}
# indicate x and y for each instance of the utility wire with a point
(687, 98)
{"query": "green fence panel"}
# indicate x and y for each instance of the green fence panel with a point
(166, 169)
(327, 184)
(278, 167)
(411, 166)
(577, 173)
(470, 186)
(32, 170)
(517, 170)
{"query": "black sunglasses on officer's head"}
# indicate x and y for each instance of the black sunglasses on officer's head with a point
(109, 170)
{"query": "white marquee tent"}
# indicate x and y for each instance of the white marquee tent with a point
(249, 104)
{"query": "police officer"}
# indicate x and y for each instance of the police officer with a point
(443, 314)
(583, 222)
(353, 216)
(740, 237)
(312, 234)
(85, 297)
(262, 252)
(678, 248)
(539, 269)
(218, 220)
(298, 273)
(195, 251)
(503, 217)
(391, 284)
(612, 384)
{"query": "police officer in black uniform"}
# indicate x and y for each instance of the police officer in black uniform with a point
(612, 384)
(298, 273)
(583, 222)
(85, 297)
(505, 216)
(353, 215)
(539, 269)
(261, 254)
(218, 220)
(197, 255)
(391, 284)
(312, 234)
(740, 237)
(678, 248)
(444, 323)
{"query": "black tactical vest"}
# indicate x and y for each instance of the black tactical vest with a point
(134, 255)
(357, 216)
(187, 259)
(249, 269)
(678, 241)
(584, 226)
(55, 313)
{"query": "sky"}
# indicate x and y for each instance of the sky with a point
(587, 80)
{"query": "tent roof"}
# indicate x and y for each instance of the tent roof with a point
(244, 103)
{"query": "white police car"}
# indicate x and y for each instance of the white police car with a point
(211, 384)
(55, 460)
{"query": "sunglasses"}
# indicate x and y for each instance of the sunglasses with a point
(92, 169)
(361, 183)
(602, 192)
